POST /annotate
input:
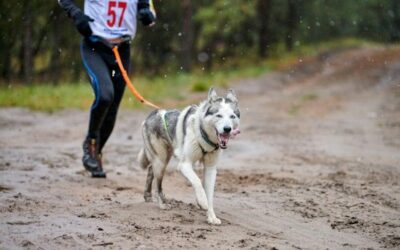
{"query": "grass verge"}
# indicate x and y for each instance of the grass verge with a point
(175, 88)
(167, 88)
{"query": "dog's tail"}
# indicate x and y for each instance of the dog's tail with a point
(142, 159)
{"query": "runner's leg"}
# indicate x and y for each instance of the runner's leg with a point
(119, 88)
(102, 85)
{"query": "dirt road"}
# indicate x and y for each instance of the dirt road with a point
(317, 166)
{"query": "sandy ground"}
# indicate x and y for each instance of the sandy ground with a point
(317, 166)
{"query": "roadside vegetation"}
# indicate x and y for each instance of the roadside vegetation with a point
(164, 88)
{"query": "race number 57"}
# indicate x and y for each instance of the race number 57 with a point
(113, 6)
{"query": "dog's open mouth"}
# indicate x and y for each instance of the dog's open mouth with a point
(224, 138)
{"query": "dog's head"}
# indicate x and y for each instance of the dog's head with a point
(222, 114)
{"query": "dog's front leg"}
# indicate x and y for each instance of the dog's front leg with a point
(187, 171)
(210, 174)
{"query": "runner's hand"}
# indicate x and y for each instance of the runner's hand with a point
(146, 12)
(82, 24)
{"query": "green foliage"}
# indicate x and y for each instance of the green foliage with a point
(230, 19)
(200, 86)
(46, 97)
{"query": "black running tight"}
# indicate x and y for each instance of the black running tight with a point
(108, 87)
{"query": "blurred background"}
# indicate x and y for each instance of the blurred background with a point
(39, 44)
(317, 165)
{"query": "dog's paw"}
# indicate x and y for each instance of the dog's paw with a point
(202, 204)
(213, 220)
(162, 198)
(165, 206)
(162, 202)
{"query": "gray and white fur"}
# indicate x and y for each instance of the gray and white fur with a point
(195, 134)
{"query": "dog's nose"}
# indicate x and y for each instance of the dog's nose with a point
(227, 129)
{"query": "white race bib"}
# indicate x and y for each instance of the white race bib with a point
(112, 18)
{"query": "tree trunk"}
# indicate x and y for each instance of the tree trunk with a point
(9, 43)
(6, 70)
(55, 52)
(395, 24)
(187, 35)
(263, 13)
(27, 65)
(292, 20)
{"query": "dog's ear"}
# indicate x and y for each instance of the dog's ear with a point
(232, 96)
(212, 95)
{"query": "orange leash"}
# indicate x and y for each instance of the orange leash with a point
(128, 81)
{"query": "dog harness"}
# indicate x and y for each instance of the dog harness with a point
(202, 131)
(165, 124)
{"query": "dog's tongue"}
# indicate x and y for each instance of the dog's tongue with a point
(224, 137)
(234, 133)
(223, 140)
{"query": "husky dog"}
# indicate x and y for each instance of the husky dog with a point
(197, 134)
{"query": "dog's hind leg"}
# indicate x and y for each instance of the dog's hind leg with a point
(187, 171)
(159, 170)
(149, 182)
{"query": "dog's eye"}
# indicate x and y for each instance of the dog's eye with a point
(219, 116)
(233, 117)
